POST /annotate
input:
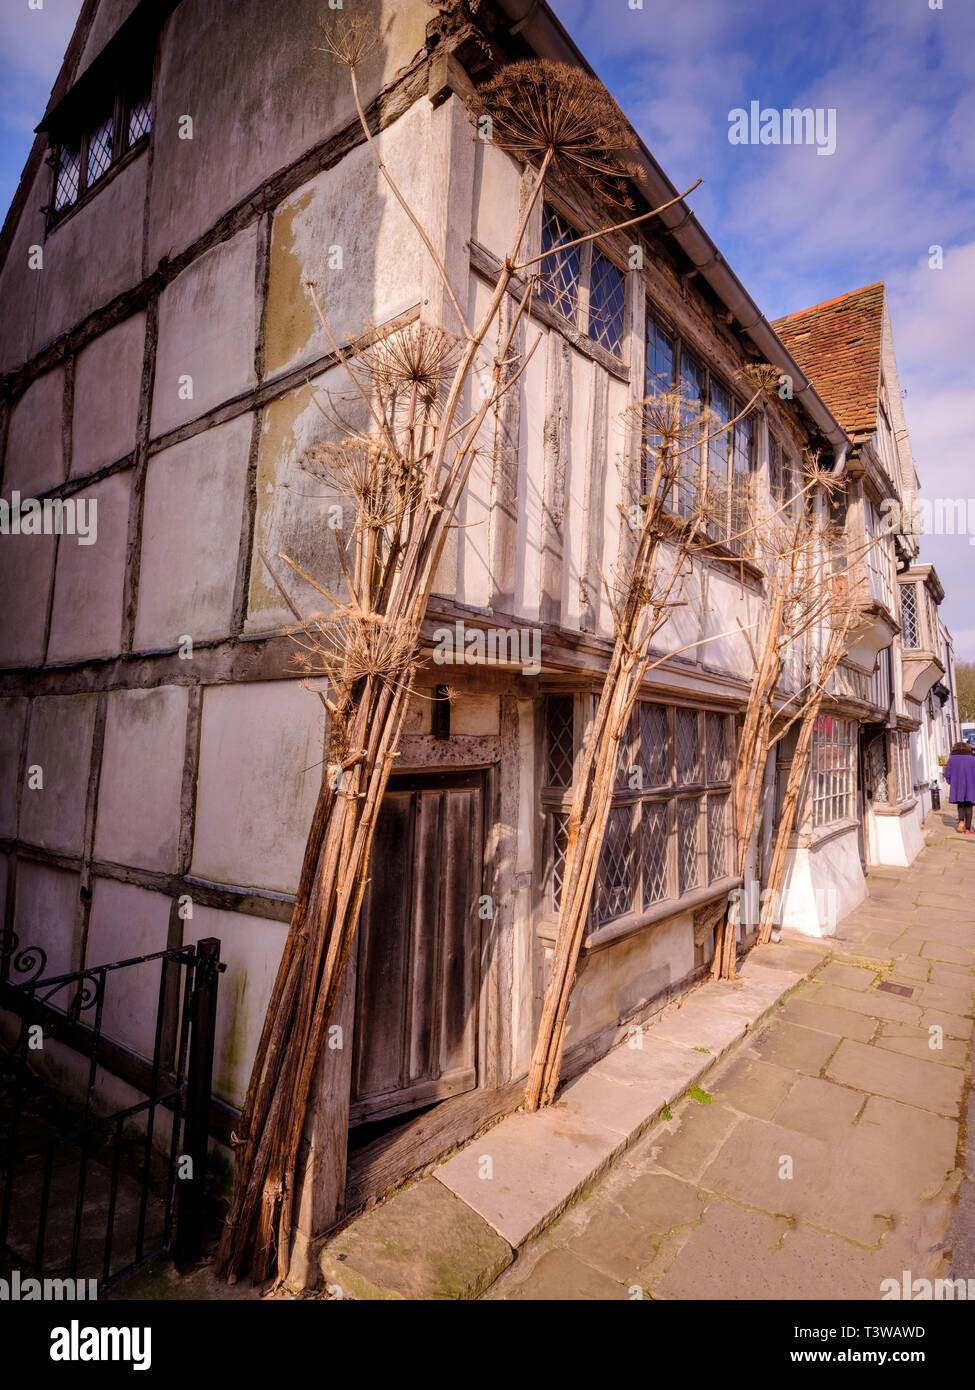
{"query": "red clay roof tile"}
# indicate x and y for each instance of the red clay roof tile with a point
(837, 344)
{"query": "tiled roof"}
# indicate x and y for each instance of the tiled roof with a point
(837, 345)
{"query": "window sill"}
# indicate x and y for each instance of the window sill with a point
(829, 832)
(894, 808)
(635, 922)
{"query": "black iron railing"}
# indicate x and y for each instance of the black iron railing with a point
(84, 1193)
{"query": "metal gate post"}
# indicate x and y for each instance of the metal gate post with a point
(189, 1209)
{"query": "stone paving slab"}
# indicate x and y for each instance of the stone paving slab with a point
(828, 1018)
(424, 1243)
(816, 1159)
(704, 1025)
(536, 1165)
(840, 1080)
(661, 1069)
(909, 1079)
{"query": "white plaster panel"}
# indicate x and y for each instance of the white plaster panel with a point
(108, 379)
(34, 458)
(528, 576)
(231, 68)
(207, 331)
(577, 483)
(348, 207)
(26, 572)
(895, 840)
(191, 526)
(86, 616)
(474, 581)
(475, 714)
(18, 282)
(292, 503)
(261, 756)
(128, 921)
(13, 713)
(59, 743)
(141, 777)
(78, 275)
(497, 188)
(823, 884)
(46, 915)
(251, 948)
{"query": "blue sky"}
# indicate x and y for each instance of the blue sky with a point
(796, 227)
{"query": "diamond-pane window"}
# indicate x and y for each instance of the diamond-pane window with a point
(909, 622)
(140, 118)
(100, 144)
(606, 300)
(688, 749)
(559, 740)
(653, 844)
(560, 271)
(689, 482)
(68, 174)
(659, 377)
(560, 844)
(718, 760)
(614, 873)
(654, 745)
(876, 761)
(717, 836)
(688, 859)
(624, 761)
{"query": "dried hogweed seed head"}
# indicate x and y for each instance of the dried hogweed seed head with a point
(420, 356)
(349, 40)
(536, 108)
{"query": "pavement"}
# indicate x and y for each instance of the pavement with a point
(828, 1153)
(795, 1134)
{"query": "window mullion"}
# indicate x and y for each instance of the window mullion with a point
(585, 271)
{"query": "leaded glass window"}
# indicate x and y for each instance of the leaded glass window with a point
(560, 270)
(67, 176)
(100, 146)
(670, 823)
(606, 303)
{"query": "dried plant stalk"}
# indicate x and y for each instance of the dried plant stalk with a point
(648, 590)
(404, 481)
(802, 601)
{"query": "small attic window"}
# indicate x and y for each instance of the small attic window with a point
(83, 155)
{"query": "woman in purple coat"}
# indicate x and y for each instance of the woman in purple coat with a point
(960, 776)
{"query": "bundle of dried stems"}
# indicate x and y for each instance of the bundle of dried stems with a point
(404, 480)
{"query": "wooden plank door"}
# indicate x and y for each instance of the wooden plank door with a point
(419, 947)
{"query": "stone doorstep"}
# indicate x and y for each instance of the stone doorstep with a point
(451, 1234)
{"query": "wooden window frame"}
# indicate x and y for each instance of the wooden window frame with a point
(833, 800)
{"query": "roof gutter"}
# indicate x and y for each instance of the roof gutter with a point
(543, 31)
